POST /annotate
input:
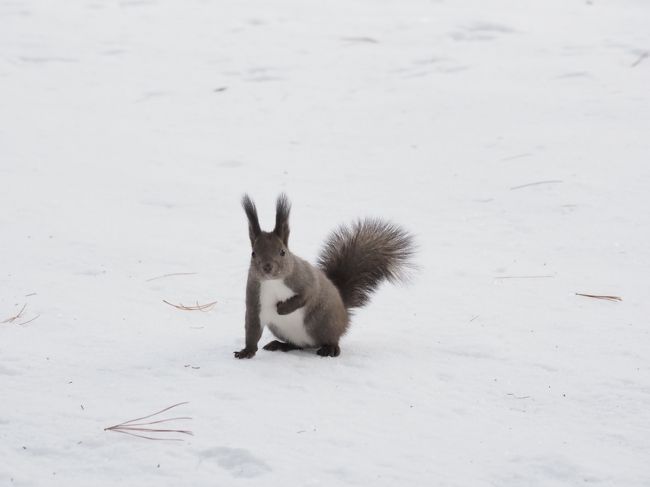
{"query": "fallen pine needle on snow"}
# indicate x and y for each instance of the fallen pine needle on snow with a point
(28, 321)
(135, 427)
(599, 296)
(640, 59)
(537, 183)
(198, 307)
(522, 277)
(171, 275)
(517, 397)
(15, 317)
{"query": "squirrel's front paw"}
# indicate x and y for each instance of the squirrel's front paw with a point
(245, 353)
(284, 308)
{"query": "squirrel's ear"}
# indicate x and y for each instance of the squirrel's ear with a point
(253, 222)
(282, 209)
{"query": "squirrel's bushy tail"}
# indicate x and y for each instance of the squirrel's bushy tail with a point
(359, 257)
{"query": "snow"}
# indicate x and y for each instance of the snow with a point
(511, 137)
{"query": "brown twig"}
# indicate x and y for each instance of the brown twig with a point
(171, 275)
(16, 316)
(600, 296)
(128, 427)
(198, 307)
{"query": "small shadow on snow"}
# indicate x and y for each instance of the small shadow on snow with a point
(238, 461)
(230, 164)
(47, 59)
(574, 74)
(481, 31)
(490, 27)
(158, 203)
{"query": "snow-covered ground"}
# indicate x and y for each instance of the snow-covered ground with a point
(511, 137)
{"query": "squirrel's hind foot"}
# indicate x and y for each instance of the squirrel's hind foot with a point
(276, 345)
(329, 350)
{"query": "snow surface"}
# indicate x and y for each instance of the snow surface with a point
(511, 137)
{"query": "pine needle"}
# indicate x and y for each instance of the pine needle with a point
(171, 275)
(16, 316)
(522, 277)
(28, 321)
(600, 296)
(128, 427)
(198, 307)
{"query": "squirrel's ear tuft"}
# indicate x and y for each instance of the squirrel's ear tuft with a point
(253, 222)
(282, 209)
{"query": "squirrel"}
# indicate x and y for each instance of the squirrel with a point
(307, 306)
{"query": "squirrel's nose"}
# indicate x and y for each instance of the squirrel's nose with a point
(267, 267)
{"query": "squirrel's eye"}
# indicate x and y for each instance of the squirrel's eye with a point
(282, 252)
(253, 254)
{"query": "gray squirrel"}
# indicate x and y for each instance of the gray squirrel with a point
(308, 306)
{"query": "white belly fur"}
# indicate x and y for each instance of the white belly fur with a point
(291, 326)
